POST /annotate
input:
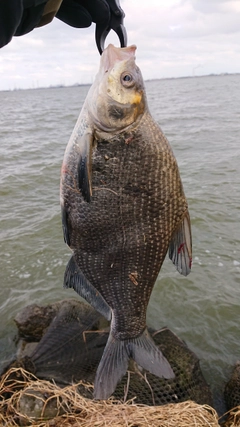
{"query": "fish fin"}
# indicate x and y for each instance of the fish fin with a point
(66, 234)
(180, 248)
(85, 165)
(113, 365)
(114, 362)
(74, 278)
(146, 354)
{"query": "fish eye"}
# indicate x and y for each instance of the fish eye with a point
(127, 80)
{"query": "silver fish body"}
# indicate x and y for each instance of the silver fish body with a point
(123, 206)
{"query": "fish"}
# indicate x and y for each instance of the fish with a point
(123, 208)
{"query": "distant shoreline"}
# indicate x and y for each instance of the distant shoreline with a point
(61, 86)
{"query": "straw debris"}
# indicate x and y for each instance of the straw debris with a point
(232, 418)
(25, 400)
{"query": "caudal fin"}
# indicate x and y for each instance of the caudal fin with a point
(114, 362)
(145, 352)
(112, 367)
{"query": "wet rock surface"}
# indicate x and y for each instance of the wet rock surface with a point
(232, 388)
(36, 404)
(33, 321)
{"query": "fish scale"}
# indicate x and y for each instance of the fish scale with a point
(123, 205)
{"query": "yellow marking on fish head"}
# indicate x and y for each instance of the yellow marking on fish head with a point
(119, 93)
(136, 98)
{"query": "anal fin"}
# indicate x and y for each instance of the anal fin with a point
(74, 278)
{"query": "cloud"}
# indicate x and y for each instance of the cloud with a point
(185, 19)
(213, 6)
(173, 39)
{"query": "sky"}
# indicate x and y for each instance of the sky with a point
(174, 38)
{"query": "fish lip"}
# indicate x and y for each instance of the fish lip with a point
(113, 54)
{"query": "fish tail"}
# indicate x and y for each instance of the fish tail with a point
(146, 354)
(114, 362)
(112, 367)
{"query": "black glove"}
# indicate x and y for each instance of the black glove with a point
(18, 17)
(107, 15)
(81, 13)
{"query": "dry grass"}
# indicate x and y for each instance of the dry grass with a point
(65, 407)
(233, 418)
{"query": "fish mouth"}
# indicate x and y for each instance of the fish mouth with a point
(113, 54)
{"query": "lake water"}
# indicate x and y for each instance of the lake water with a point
(201, 118)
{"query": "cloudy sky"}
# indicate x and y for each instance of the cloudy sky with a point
(174, 38)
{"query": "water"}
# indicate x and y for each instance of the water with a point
(200, 117)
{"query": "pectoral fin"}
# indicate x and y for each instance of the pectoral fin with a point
(180, 248)
(85, 143)
(65, 227)
(74, 278)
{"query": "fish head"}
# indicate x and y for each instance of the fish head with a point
(117, 97)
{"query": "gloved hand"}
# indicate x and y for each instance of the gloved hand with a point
(18, 17)
(81, 13)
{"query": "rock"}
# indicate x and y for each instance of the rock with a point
(33, 320)
(71, 349)
(36, 405)
(25, 349)
(232, 388)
